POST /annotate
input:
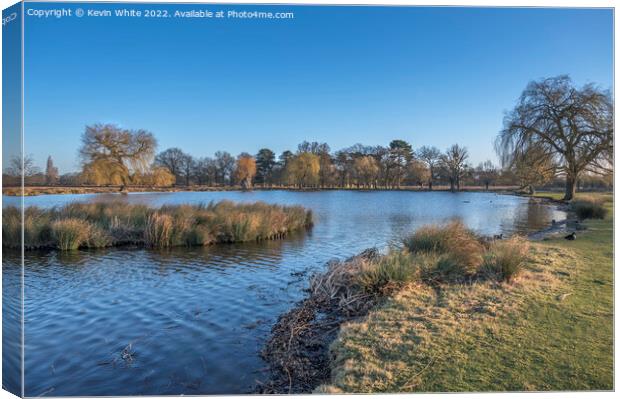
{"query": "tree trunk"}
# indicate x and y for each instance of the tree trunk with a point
(569, 192)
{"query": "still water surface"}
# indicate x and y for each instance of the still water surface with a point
(192, 320)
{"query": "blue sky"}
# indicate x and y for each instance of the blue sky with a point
(431, 76)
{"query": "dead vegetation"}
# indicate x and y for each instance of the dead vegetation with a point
(297, 351)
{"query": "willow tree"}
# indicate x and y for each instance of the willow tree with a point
(303, 169)
(573, 126)
(367, 170)
(533, 168)
(112, 155)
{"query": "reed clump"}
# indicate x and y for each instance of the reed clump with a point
(105, 224)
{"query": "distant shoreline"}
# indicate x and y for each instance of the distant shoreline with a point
(51, 190)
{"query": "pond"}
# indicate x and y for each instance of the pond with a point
(129, 321)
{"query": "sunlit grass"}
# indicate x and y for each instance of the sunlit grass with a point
(549, 328)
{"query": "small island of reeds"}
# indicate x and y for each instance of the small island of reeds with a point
(108, 224)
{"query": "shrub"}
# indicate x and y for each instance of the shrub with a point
(70, 233)
(506, 258)
(589, 208)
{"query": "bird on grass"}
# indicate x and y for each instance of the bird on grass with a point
(572, 236)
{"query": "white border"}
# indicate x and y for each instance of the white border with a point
(470, 3)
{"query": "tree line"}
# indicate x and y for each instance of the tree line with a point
(555, 132)
(314, 165)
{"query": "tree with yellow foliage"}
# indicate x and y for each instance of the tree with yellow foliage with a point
(303, 170)
(366, 170)
(245, 170)
(112, 155)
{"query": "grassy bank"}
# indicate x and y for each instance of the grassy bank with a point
(433, 258)
(98, 225)
(549, 328)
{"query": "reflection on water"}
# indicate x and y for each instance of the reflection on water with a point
(131, 321)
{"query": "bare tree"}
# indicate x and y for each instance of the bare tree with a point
(431, 156)
(225, 166)
(205, 171)
(173, 159)
(187, 168)
(19, 167)
(455, 163)
(573, 126)
(487, 173)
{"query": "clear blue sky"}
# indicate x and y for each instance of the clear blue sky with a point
(431, 76)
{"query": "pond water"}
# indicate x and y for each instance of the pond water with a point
(132, 321)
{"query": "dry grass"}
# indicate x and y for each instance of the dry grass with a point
(70, 233)
(97, 225)
(158, 230)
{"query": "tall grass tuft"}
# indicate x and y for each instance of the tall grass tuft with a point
(116, 223)
(460, 249)
(506, 258)
(587, 207)
(388, 273)
(158, 231)
(11, 227)
(70, 233)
